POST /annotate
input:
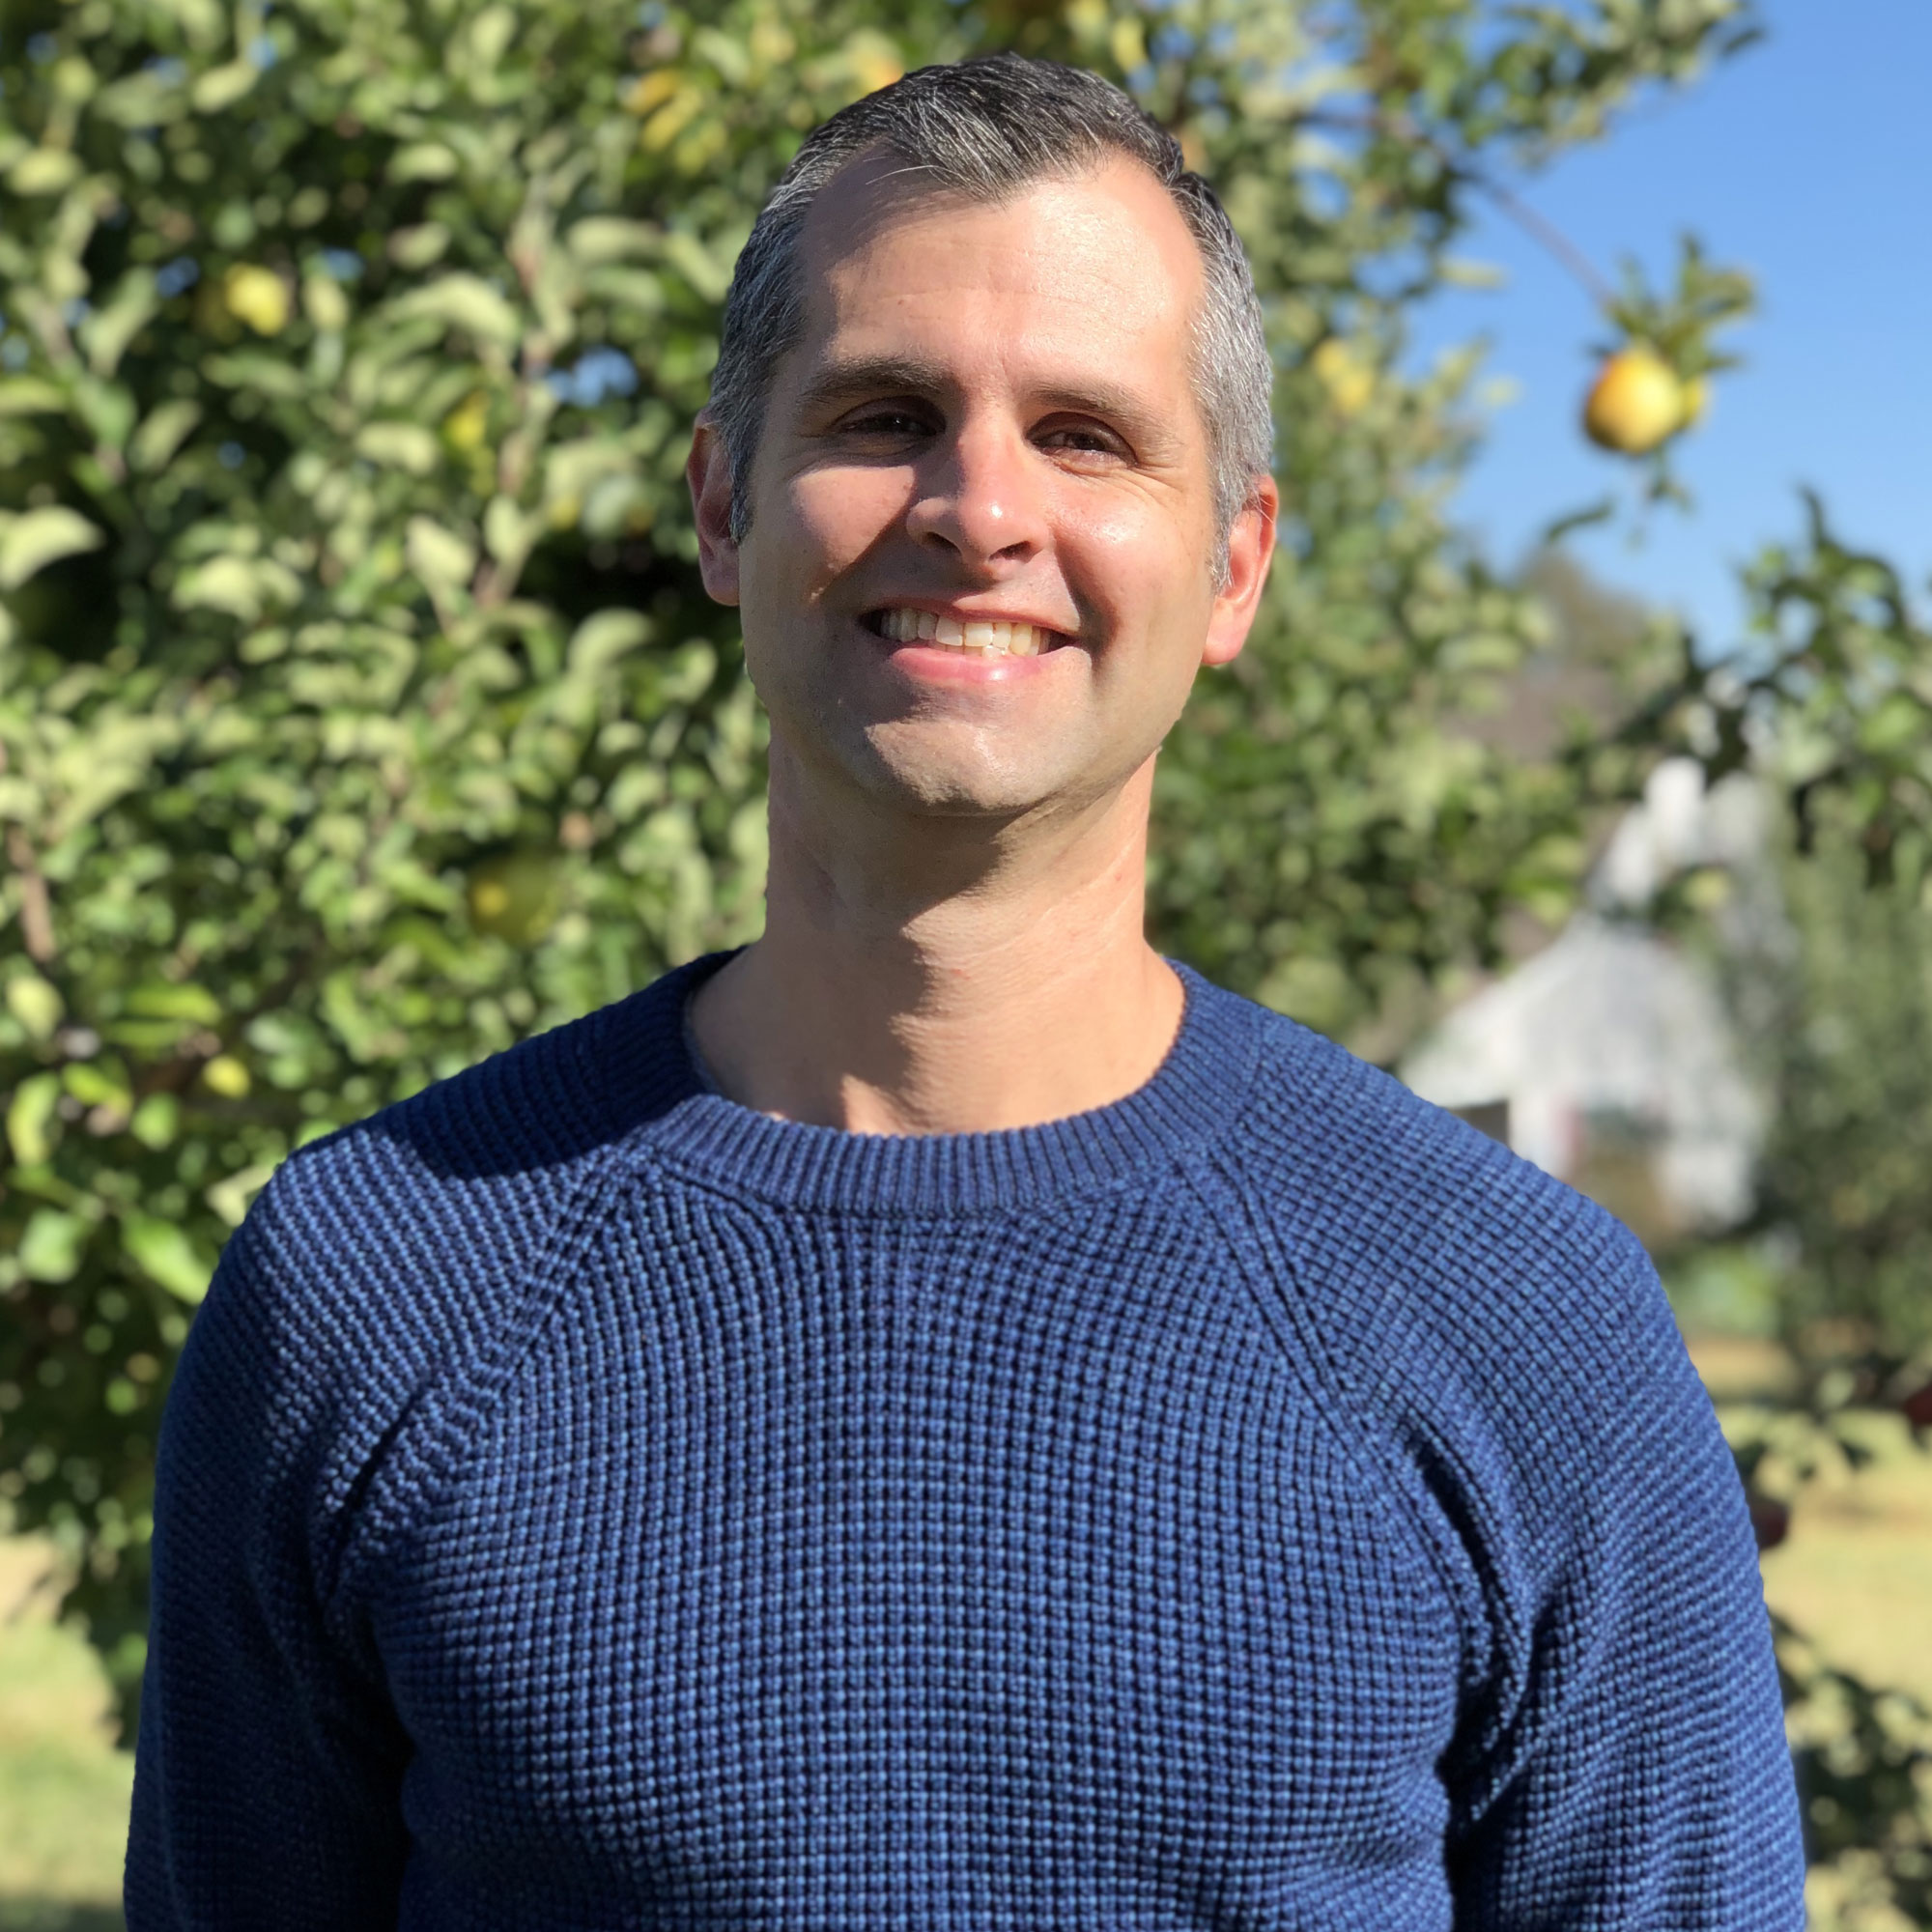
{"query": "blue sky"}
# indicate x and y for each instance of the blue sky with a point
(1807, 161)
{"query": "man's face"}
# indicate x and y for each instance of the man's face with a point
(989, 421)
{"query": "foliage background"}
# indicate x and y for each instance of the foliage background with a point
(359, 707)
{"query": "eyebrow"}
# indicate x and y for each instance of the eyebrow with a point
(905, 375)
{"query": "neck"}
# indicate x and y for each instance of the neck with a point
(942, 975)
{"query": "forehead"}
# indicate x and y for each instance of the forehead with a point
(1100, 267)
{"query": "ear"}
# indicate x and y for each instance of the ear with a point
(1250, 551)
(708, 473)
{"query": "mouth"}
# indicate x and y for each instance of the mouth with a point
(972, 636)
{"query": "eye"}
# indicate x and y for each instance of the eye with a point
(885, 419)
(1082, 439)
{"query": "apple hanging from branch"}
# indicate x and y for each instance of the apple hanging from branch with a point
(1639, 400)
(1653, 382)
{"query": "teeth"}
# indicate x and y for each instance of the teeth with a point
(984, 636)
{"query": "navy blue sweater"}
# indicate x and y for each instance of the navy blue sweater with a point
(1261, 1503)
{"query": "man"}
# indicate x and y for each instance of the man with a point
(943, 1418)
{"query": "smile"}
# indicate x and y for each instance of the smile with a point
(987, 637)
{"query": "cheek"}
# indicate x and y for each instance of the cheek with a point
(1138, 568)
(834, 518)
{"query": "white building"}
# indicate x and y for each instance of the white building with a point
(1612, 1046)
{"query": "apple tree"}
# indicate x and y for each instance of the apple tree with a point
(360, 709)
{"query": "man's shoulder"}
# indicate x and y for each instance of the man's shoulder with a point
(1318, 1113)
(501, 1126)
(1412, 1232)
(426, 1217)
(1504, 1341)
(388, 1274)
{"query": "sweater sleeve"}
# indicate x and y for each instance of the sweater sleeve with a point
(268, 1762)
(1631, 1772)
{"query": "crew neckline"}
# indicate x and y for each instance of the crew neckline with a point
(666, 1112)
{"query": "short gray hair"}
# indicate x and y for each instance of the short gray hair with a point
(989, 128)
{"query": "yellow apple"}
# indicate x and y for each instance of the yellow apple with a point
(1635, 403)
(515, 897)
(227, 1076)
(1348, 381)
(257, 297)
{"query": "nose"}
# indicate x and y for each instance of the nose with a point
(979, 497)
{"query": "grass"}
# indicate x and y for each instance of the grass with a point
(63, 1789)
(1854, 1572)
(1855, 1575)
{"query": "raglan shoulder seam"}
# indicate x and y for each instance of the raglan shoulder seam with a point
(1446, 1500)
(419, 1455)
(427, 1445)
(1273, 1283)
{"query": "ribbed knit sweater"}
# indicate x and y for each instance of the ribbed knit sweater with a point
(1261, 1503)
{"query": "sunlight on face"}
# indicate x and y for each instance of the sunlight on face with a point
(989, 422)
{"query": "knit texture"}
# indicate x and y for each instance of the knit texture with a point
(1261, 1503)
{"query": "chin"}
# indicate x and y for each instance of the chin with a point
(942, 794)
(925, 780)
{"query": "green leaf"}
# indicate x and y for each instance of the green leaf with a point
(708, 275)
(609, 238)
(243, 586)
(202, 21)
(157, 1120)
(443, 559)
(230, 1198)
(32, 539)
(605, 636)
(51, 1247)
(326, 307)
(265, 374)
(463, 302)
(183, 999)
(30, 1118)
(416, 248)
(166, 1255)
(223, 86)
(107, 409)
(43, 171)
(166, 427)
(489, 36)
(106, 333)
(422, 161)
(508, 531)
(398, 445)
(28, 395)
(36, 1004)
(149, 97)
(638, 290)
